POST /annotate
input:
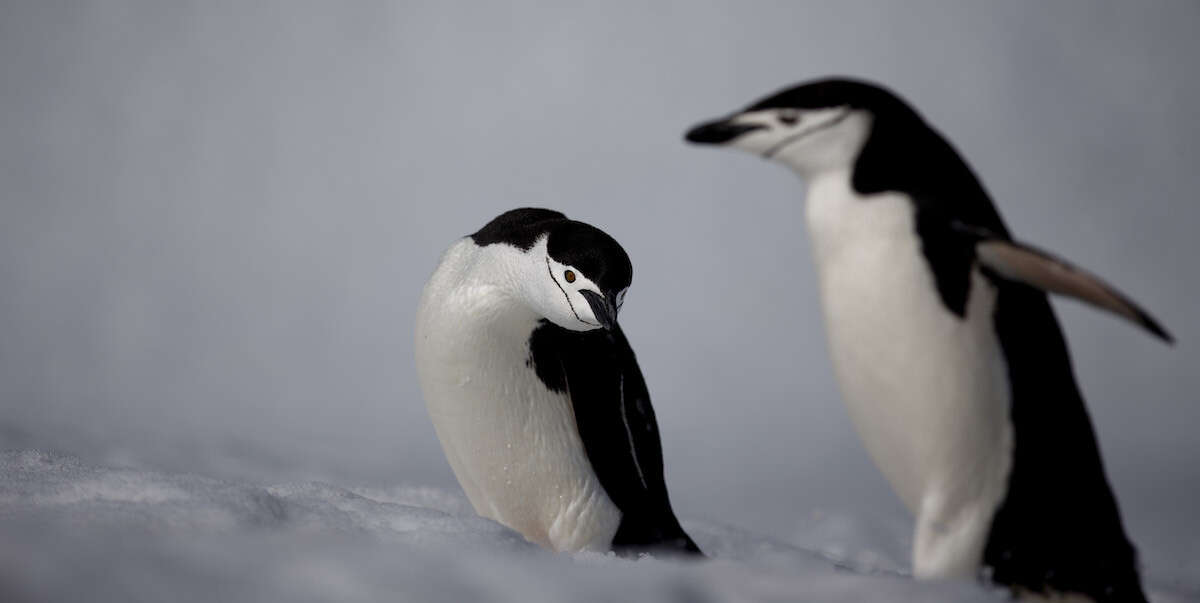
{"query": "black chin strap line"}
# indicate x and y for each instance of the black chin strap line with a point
(779, 146)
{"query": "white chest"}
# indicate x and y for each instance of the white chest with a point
(512, 443)
(926, 389)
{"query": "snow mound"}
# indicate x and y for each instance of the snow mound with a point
(69, 532)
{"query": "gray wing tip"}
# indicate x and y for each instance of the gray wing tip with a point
(1144, 320)
(1147, 322)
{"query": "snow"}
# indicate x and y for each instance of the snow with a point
(72, 531)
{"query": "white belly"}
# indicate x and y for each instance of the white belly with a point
(513, 444)
(926, 389)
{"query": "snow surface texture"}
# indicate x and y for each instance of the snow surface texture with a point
(70, 531)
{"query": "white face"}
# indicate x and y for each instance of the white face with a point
(810, 141)
(555, 291)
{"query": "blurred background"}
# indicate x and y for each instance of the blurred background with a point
(216, 219)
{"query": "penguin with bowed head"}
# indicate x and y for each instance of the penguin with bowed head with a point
(535, 393)
(948, 355)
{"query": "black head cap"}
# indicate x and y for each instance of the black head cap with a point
(836, 92)
(587, 248)
(520, 227)
(886, 107)
(593, 252)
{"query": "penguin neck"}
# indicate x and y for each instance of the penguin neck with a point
(496, 297)
(840, 218)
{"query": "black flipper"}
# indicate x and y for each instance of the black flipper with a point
(599, 372)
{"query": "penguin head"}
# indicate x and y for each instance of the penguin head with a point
(571, 273)
(585, 274)
(812, 127)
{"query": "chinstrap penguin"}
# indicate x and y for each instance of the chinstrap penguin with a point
(534, 391)
(949, 357)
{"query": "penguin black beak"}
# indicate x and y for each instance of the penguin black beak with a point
(720, 131)
(603, 307)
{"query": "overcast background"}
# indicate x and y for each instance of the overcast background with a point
(216, 219)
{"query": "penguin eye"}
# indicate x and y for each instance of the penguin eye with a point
(569, 275)
(788, 117)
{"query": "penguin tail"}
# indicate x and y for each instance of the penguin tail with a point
(661, 538)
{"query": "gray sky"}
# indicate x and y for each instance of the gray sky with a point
(217, 218)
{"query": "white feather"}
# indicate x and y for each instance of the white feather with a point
(926, 389)
(513, 444)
